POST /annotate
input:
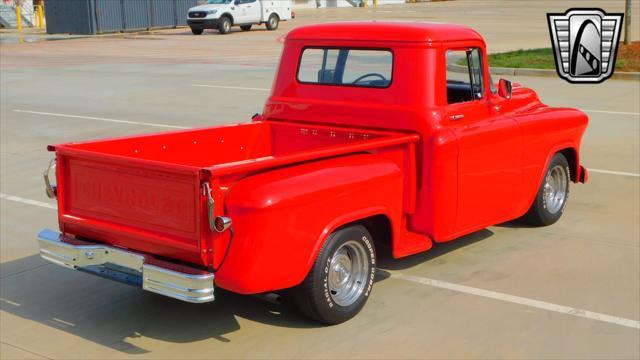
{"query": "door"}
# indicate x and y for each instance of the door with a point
(248, 12)
(254, 9)
(489, 161)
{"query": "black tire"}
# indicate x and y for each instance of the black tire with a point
(224, 25)
(272, 22)
(245, 27)
(551, 199)
(316, 296)
(197, 31)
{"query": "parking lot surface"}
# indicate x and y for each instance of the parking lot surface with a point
(571, 290)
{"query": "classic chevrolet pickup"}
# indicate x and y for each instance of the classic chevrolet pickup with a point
(375, 135)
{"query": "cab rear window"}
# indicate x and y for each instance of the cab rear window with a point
(346, 67)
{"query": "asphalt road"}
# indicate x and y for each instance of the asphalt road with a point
(571, 290)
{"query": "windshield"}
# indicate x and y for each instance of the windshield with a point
(218, 1)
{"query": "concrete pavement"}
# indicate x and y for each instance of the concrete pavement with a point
(86, 88)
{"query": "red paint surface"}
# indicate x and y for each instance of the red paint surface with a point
(320, 157)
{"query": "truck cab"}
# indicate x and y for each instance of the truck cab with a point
(223, 14)
(376, 135)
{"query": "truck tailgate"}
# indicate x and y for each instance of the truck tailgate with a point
(149, 207)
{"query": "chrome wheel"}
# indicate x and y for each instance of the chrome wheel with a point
(227, 26)
(348, 271)
(272, 22)
(555, 189)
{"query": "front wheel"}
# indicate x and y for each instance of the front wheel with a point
(272, 22)
(224, 26)
(340, 281)
(551, 199)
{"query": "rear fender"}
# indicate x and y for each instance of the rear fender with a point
(282, 217)
(352, 218)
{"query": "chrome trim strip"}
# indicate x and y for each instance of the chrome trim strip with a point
(196, 287)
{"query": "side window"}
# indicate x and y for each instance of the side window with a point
(465, 80)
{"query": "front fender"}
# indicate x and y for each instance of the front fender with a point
(281, 217)
(546, 132)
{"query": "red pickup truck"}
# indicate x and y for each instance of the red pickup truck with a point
(375, 134)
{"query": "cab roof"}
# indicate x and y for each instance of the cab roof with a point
(397, 31)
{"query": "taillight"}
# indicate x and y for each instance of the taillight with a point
(222, 223)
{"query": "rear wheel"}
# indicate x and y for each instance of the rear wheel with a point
(273, 21)
(245, 27)
(224, 26)
(340, 281)
(197, 31)
(552, 195)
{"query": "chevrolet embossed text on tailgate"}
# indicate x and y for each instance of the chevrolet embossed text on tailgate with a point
(142, 198)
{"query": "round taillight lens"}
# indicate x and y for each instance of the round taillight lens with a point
(222, 223)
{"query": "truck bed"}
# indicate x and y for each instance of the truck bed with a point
(214, 146)
(145, 192)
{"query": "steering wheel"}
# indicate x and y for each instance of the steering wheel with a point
(368, 75)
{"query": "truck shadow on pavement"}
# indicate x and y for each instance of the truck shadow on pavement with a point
(386, 262)
(117, 315)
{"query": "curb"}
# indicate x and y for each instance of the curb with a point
(523, 72)
(540, 72)
(620, 75)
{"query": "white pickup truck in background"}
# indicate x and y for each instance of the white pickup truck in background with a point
(223, 14)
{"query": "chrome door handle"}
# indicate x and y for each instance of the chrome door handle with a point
(497, 107)
(456, 117)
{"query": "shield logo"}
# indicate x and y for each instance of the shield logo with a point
(585, 44)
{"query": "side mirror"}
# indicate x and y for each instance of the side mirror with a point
(237, 2)
(504, 88)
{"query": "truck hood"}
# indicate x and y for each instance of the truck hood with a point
(206, 7)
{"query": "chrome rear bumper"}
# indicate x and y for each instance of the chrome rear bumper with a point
(173, 280)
